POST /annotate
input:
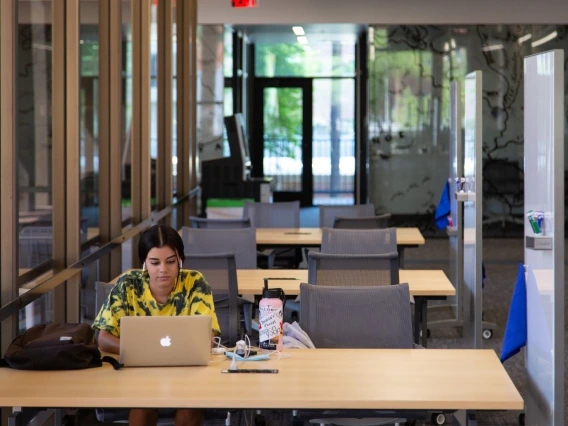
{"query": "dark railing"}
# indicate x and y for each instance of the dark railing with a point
(283, 160)
(60, 277)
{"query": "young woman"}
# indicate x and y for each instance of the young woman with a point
(161, 288)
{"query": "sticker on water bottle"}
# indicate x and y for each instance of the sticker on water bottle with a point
(270, 324)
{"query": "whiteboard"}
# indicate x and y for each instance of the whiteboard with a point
(544, 251)
(472, 247)
(456, 208)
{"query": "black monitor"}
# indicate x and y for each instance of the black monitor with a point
(238, 144)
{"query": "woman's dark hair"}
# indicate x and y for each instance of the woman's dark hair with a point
(160, 236)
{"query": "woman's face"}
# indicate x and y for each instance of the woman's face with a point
(162, 266)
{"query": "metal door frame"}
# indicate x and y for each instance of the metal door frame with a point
(306, 195)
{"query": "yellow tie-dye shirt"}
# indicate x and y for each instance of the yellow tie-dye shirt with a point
(131, 296)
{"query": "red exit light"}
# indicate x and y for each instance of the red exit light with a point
(244, 3)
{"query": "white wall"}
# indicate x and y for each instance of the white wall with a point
(386, 12)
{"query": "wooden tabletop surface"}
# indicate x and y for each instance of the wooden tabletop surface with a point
(312, 236)
(420, 282)
(443, 379)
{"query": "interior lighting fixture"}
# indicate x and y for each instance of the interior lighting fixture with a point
(299, 31)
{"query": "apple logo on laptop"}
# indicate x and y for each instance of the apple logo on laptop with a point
(165, 341)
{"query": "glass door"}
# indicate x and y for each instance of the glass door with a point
(285, 135)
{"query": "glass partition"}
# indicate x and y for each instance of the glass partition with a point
(34, 141)
(410, 70)
(34, 133)
(126, 121)
(89, 148)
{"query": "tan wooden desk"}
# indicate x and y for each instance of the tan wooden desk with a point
(307, 237)
(424, 285)
(436, 379)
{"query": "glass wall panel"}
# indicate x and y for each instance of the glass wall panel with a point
(410, 70)
(89, 115)
(318, 59)
(333, 161)
(34, 132)
(126, 170)
(154, 96)
(34, 144)
(174, 96)
(228, 52)
(210, 91)
(89, 140)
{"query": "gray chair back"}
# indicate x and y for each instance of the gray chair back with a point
(35, 246)
(357, 317)
(199, 222)
(102, 291)
(356, 241)
(366, 222)
(329, 213)
(273, 215)
(220, 272)
(119, 415)
(352, 269)
(240, 241)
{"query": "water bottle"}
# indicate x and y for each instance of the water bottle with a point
(271, 314)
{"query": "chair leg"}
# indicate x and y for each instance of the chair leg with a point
(247, 312)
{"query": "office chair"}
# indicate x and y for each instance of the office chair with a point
(352, 269)
(356, 317)
(356, 241)
(349, 270)
(273, 215)
(327, 214)
(276, 215)
(120, 415)
(220, 272)
(199, 222)
(367, 222)
(240, 241)
(35, 245)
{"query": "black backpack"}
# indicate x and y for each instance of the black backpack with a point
(55, 347)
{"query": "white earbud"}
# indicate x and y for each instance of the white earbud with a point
(144, 267)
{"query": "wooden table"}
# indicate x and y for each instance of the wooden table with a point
(427, 283)
(350, 379)
(424, 285)
(311, 237)
(307, 237)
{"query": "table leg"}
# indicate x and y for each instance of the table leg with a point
(401, 257)
(417, 313)
(424, 320)
(464, 418)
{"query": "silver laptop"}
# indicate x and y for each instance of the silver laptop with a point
(165, 341)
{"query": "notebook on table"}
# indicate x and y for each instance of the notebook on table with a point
(154, 341)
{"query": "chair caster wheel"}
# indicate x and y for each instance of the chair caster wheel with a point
(487, 334)
(428, 334)
(522, 419)
(438, 418)
(259, 420)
